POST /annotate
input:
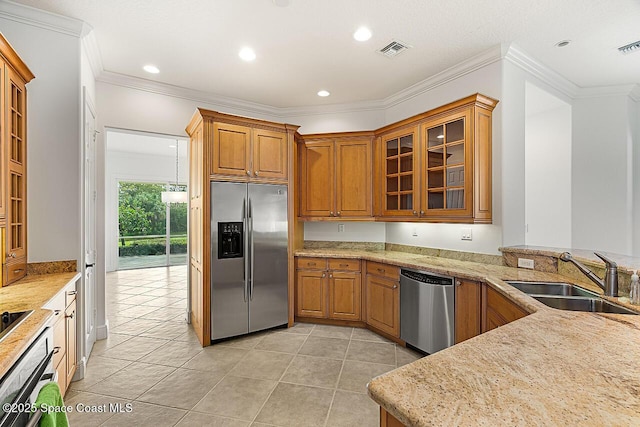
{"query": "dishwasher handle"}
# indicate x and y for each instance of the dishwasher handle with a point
(428, 278)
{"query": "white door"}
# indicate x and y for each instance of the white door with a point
(90, 196)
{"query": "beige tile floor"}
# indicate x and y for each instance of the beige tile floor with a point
(308, 375)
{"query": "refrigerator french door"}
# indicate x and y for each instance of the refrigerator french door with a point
(249, 272)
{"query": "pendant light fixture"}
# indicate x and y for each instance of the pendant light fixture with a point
(175, 196)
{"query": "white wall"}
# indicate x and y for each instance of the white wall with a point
(353, 231)
(133, 167)
(547, 169)
(601, 178)
(635, 118)
(53, 167)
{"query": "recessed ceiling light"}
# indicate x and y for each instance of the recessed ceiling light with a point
(563, 43)
(151, 69)
(362, 34)
(323, 93)
(247, 54)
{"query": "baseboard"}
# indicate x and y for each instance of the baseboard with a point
(102, 331)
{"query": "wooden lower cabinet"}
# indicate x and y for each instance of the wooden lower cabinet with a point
(72, 354)
(64, 325)
(344, 295)
(388, 420)
(498, 310)
(311, 293)
(468, 310)
(383, 304)
(328, 289)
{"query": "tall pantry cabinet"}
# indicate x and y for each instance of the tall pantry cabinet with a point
(224, 147)
(14, 75)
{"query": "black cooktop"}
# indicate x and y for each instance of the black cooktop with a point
(11, 320)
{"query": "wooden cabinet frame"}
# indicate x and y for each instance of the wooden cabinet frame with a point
(336, 176)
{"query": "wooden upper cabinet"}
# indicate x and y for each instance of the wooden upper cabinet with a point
(439, 170)
(317, 186)
(231, 150)
(269, 154)
(353, 178)
(14, 75)
(397, 179)
(336, 176)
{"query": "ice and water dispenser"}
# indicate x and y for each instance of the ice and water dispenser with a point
(230, 240)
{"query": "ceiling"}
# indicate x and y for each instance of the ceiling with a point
(308, 45)
(144, 143)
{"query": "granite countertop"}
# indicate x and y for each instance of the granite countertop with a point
(551, 367)
(30, 293)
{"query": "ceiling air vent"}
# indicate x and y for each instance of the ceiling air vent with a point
(394, 48)
(631, 47)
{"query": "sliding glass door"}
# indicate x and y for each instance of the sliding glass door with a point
(150, 233)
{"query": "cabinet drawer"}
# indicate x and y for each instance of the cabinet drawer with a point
(341, 264)
(16, 271)
(309, 263)
(70, 294)
(59, 339)
(383, 270)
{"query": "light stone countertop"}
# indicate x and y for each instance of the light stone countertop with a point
(552, 367)
(30, 293)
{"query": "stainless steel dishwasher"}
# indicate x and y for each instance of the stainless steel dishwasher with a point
(427, 310)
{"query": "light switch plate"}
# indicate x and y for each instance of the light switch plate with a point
(525, 263)
(340, 228)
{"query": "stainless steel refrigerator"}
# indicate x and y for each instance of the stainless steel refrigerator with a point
(249, 271)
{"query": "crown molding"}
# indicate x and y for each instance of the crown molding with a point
(521, 59)
(467, 66)
(631, 91)
(40, 18)
(91, 48)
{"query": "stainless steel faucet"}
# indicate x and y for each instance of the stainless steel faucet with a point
(610, 282)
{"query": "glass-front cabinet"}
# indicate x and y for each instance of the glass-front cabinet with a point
(447, 166)
(399, 178)
(436, 166)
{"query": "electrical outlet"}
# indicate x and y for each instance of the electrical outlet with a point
(415, 232)
(340, 228)
(466, 234)
(525, 263)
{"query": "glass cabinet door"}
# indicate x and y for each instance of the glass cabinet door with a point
(447, 150)
(398, 157)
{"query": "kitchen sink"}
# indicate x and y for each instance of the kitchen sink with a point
(543, 288)
(595, 305)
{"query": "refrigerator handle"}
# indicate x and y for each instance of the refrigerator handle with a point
(245, 222)
(251, 253)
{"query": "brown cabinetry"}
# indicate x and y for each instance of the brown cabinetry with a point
(382, 290)
(64, 325)
(498, 310)
(14, 75)
(468, 310)
(248, 152)
(336, 176)
(436, 166)
(224, 147)
(328, 289)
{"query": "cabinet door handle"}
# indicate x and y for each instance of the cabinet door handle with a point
(57, 312)
(72, 315)
(395, 287)
(458, 283)
(249, 173)
(344, 265)
(72, 292)
(256, 173)
(415, 213)
(18, 270)
(421, 213)
(12, 254)
(324, 275)
(381, 270)
(310, 264)
(338, 213)
(56, 350)
(331, 213)
(330, 276)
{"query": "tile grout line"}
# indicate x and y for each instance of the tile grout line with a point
(281, 376)
(335, 390)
